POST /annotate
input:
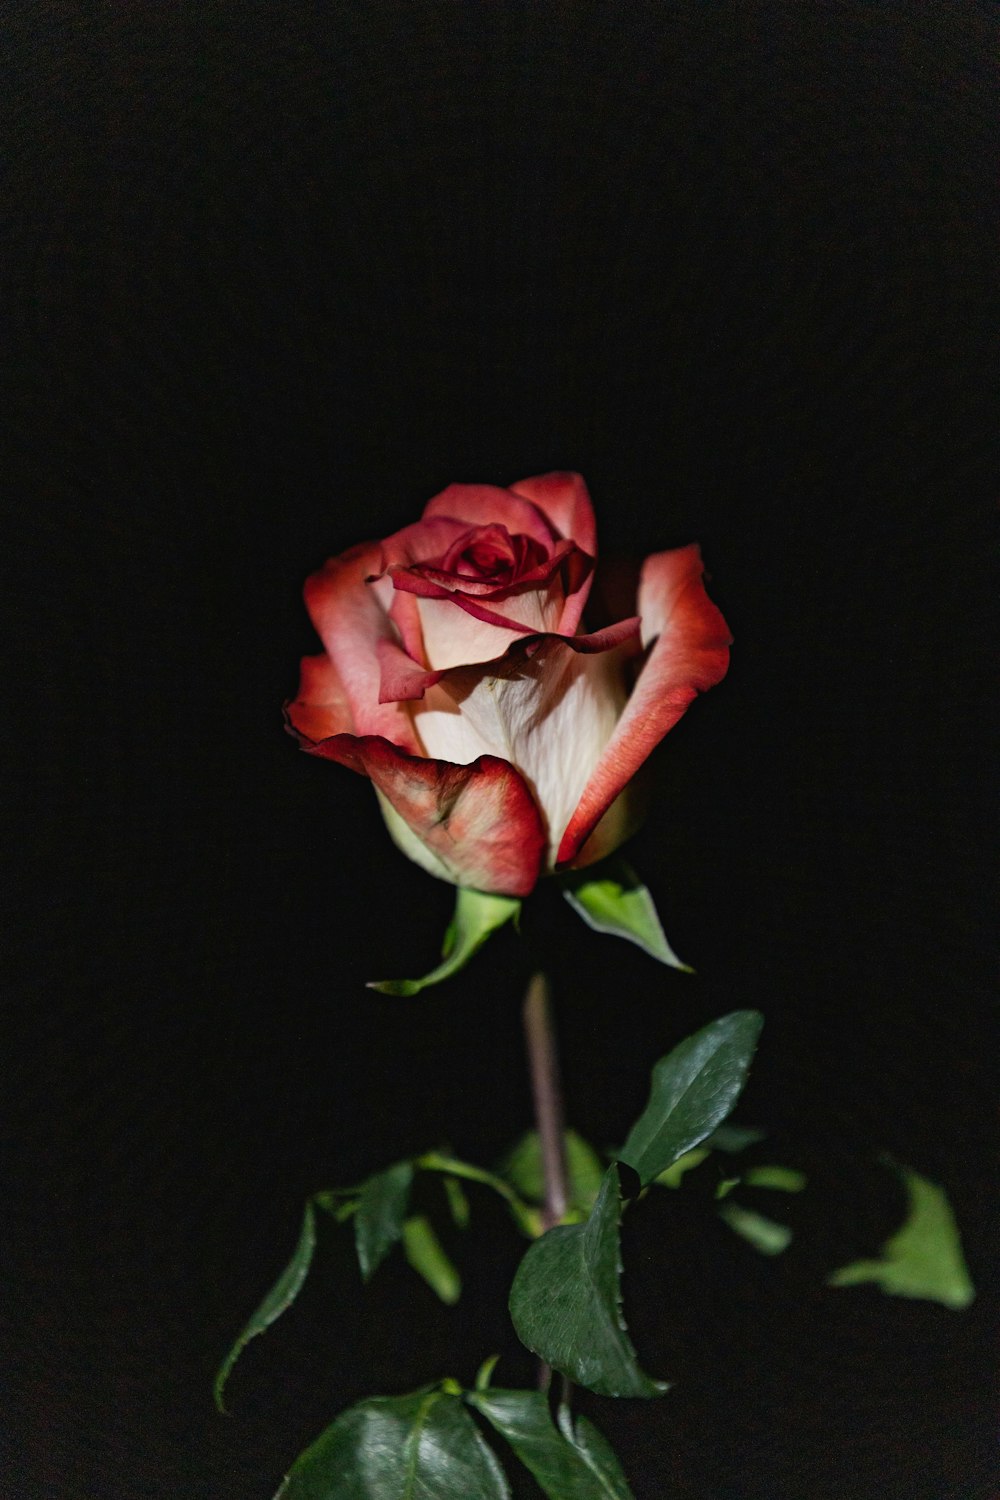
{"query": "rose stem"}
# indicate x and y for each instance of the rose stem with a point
(543, 1064)
(547, 1094)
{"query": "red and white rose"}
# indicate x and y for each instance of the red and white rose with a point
(501, 737)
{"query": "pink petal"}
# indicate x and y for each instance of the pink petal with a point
(321, 708)
(566, 501)
(690, 654)
(401, 678)
(350, 620)
(488, 504)
(477, 823)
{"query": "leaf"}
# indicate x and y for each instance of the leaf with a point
(764, 1234)
(524, 1171)
(422, 1249)
(527, 1219)
(378, 1222)
(616, 901)
(671, 1176)
(596, 1452)
(693, 1089)
(924, 1257)
(458, 1203)
(777, 1179)
(566, 1301)
(281, 1296)
(559, 1465)
(477, 915)
(419, 1447)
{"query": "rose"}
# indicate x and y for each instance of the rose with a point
(502, 739)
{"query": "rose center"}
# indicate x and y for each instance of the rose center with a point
(491, 553)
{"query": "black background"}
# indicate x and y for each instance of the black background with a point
(277, 274)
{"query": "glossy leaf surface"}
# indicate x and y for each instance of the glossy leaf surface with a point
(419, 1447)
(563, 1470)
(614, 900)
(566, 1301)
(693, 1089)
(281, 1296)
(477, 916)
(378, 1222)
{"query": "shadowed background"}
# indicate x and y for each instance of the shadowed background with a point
(278, 274)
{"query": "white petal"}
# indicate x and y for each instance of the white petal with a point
(550, 716)
(453, 638)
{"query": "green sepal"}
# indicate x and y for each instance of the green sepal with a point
(381, 1211)
(419, 1447)
(924, 1257)
(477, 915)
(611, 898)
(693, 1089)
(523, 1169)
(564, 1468)
(565, 1302)
(425, 1254)
(281, 1296)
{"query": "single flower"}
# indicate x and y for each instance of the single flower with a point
(502, 738)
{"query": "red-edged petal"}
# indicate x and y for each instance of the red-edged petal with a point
(402, 678)
(350, 620)
(424, 541)
(321, 707)
(565, 499)
(487, 505)
(690, 654)
(478, 822)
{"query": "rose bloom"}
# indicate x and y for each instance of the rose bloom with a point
(501, 737)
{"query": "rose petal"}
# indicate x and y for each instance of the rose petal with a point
(547, 707)
(401, 678)
(691, 654)
(475, 825)
(321, 708)
(488, 504)
(350, 620)
(565, 499)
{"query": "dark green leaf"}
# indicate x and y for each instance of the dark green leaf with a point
(524, 1171)
(693, 1089)
(566, 1302)
(613, 899)
(673, 1175)
(924, 1257)
(422, 1249)
(378, 1223)
(595, 1450)
(562, 1470)
(281, 1296)
(419, 1447)
(477, 915)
